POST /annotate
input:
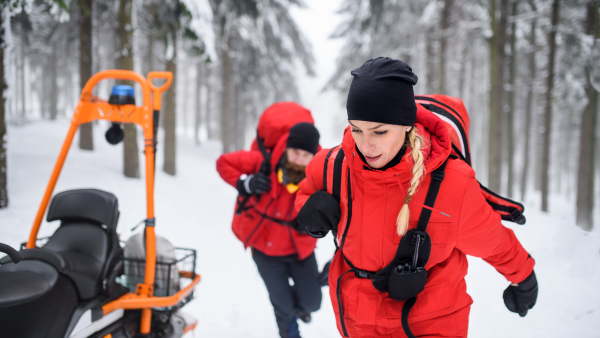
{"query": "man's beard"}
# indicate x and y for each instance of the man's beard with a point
(292, 173)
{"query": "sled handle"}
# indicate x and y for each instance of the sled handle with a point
(157, 91)
(14, 255)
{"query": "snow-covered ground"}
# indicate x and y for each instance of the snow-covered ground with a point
(194, 210)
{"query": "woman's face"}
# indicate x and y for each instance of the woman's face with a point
(378, 142)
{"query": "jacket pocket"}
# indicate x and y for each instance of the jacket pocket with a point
(433, 298)
(438, 232)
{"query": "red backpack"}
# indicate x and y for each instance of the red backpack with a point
(277, 120)
(274, 123)
(454, 114)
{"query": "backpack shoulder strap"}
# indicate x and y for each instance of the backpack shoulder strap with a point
(437, 176)
(265, 166)
(336, 182)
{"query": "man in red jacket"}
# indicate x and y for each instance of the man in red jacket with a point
(267, 223)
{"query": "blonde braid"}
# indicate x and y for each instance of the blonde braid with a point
(414, 142)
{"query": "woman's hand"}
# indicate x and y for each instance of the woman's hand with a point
(521, 297)
(320, 213)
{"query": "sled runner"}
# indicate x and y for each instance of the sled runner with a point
(67, 285)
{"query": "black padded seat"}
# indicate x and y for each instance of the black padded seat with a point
(26, 281)
(86, 240)
(84, 248)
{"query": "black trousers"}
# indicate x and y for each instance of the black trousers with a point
(305, 295)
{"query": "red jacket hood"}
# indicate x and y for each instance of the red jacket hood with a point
(436, 149)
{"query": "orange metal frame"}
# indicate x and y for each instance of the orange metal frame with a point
(89, 109)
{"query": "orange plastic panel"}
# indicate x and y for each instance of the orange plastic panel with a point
(132, 301)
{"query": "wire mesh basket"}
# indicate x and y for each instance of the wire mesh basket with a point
(170, 276)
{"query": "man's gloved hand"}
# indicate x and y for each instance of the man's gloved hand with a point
(258, 183)
(522, 297)
(296, 226)
(320, 213)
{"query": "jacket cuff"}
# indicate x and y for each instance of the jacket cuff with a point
(523, 273)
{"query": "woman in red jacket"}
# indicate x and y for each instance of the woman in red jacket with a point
(267, 223)
(397, 176)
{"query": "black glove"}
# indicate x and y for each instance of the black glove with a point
(320, 213)
(522, 297)
(258, 183)
(296, 226)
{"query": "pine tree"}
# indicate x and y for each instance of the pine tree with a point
(86, 140)
(131, 151)
(588, 141)
(545, 164)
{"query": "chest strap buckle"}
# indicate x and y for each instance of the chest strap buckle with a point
(361, 274)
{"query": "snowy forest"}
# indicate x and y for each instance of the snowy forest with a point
(527, 71)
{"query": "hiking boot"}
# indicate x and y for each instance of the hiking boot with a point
(304, 316)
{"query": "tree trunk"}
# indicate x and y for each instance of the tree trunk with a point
(22, 72)
(210, 112)
(497, 57)
(226, 116)
(512, 65)
(150, 55)
(86, 140)
(44, 89)
(170, 115)
(240, 118)
(445, 24)
(235, 112)
(463, 69)
(3, 87)
(545, 172)
(529, 107)
(130, 147)
(430, 50)
(587, 145)
(198, 106)
(53, 85)
(185, 112)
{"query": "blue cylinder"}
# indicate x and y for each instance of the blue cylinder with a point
(121, 95)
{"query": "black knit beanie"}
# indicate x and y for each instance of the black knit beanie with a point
(304, 136)
(382, 91)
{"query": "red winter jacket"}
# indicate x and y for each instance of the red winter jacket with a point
(473, 228)
(250, 227)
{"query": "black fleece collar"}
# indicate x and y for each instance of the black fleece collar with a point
(390, 164)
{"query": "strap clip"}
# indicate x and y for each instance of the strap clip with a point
(420, 235)
(361, 274)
